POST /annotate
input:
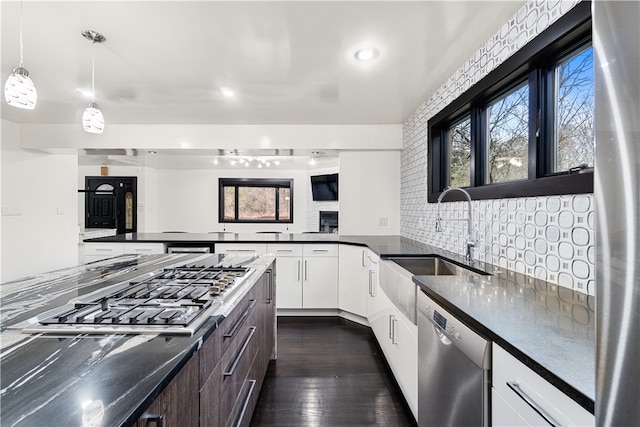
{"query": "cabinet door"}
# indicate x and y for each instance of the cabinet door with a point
(353, 280)
(320, 282)
(289, 282)
(177, 404)
(373, 270)
(398, 338)
(503, 414)
(403, 357)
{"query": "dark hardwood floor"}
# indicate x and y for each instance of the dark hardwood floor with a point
(329, 372)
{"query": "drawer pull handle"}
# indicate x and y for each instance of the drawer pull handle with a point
(269, 272)
(529, 401)
(286, 251)
(157, 419)
(317, 251)
(241, 320)
(240, 353)
(246, 403)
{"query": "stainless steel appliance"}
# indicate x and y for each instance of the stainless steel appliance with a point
(617, 206)
(453, 369)
(174, 300)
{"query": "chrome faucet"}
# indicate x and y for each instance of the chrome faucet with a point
(470, 242)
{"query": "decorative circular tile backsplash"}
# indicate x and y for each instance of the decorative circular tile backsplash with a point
(551, 238)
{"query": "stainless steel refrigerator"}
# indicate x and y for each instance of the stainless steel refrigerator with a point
(616, 40)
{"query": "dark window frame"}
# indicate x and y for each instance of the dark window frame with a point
(534, 63)
(259, 183)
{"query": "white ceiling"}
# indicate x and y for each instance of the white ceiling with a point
(288, 62)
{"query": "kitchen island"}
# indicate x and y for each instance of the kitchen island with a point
(57, 379)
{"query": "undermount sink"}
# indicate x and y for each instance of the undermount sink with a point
(432, 266)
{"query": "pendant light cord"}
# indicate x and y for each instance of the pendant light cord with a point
(21, 45)
(93, 71)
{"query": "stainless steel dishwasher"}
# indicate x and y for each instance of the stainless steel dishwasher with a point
(453, 369)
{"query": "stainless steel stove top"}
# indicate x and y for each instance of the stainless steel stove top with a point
(175, 300)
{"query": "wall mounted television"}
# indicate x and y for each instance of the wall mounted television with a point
(324, 187)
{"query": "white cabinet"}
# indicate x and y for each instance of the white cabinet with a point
(306, 276)
(398, 338)
(98, 251)
(353, 279)
(144, 248)
(288, 275)
(520, 397)
(241, 248)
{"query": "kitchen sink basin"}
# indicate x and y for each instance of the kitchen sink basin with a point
(432, 266)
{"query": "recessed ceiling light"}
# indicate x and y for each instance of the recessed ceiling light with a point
(366, 54)
(226, 92)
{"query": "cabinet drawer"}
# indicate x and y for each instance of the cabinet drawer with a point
(236, 364)
(285, 249)
(247, 397)
(143, 248)
(320, 250)
(104, 250)
(532, 396)
(230, 248)
(230, 329)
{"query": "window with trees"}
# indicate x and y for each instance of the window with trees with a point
(527, 128)
(252, 200)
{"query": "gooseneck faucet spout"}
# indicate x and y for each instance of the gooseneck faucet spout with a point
(470, 242)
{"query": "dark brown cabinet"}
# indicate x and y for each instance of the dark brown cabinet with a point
(219, 386)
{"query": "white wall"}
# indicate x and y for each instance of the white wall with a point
(188, 200)
(369, 192)
(39, 208)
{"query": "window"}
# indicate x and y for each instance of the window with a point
(574, 137)
(459, 136)
(527, 128)
(508, 136)
(255, 200)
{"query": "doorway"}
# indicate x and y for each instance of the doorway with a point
(111, 202)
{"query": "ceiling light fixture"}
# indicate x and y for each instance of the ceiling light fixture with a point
(254, 162)
(227, 92)
(92, 118)
(19, 90)
(366, 54)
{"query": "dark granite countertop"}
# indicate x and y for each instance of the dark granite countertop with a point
(549, 328)
(60, 380)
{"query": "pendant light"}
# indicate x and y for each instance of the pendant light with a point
(19, 90)
(92, 119)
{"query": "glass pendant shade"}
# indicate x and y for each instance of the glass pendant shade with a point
(19, 91)
(92, 119)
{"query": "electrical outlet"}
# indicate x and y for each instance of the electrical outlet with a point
(383, 221)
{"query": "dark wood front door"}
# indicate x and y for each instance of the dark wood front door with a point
(110, 202)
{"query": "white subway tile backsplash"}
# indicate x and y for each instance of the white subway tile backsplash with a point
(545, 237)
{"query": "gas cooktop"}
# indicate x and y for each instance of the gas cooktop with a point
(174, 300)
